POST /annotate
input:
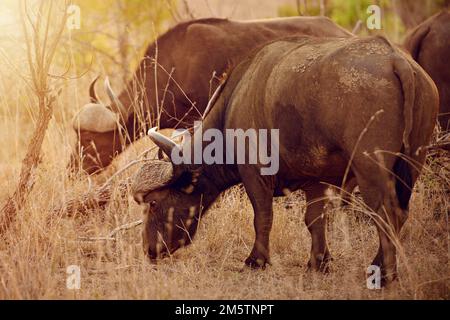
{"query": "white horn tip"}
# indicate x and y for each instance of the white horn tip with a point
(152, 131)
(107, 83)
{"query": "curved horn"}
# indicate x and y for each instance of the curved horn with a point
(162, 142)
(115, 102)
(213, 99)
(92, 93)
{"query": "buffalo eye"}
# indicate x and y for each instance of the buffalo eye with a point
(153, 204)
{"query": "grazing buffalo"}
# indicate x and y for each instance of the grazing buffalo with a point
(355, 106)
(429, 45)
(191, 57)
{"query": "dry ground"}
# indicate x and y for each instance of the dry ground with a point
(37, 250)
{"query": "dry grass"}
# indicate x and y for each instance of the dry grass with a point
(40, 246)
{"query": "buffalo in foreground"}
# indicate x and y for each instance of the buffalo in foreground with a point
(355, 106)
(191, 59)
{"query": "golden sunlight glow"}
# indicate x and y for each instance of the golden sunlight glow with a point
(9, 19)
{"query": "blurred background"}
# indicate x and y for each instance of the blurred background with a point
(114, 33)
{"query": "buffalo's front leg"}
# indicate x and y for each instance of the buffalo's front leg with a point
(260, 191)
(316, 221)
(260, 256)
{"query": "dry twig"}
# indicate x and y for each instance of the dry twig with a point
(112, 235)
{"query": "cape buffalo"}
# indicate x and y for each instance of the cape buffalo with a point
(351, 104)
(192, 57)
(429, 45)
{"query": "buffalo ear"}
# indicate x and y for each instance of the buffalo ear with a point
(196, 173)
(187, 181)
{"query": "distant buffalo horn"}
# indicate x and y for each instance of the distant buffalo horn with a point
(116, 105)
(164, 143)
(92, 93)
(213, 99)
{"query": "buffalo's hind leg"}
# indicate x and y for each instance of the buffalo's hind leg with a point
(316, 221)
(388, 218)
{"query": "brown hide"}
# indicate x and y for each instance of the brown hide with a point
(195, 54)
(357, 103)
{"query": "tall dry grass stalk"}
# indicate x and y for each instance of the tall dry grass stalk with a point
(41, 47)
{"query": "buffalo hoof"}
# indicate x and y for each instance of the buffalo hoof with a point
(387, 276)
(257, 262)
(320, 263)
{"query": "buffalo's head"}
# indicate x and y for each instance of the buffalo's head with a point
(98, 129)
(174, 197)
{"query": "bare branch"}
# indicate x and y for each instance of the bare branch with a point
(112, 236)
